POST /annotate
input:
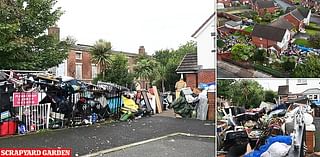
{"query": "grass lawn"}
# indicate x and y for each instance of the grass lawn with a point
(314, 25)
(248, 29)
(302, 42)
(312, 32)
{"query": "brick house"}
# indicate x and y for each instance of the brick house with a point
(270, 37)
(283, 23)
(299, 17)
(264, 6)
(79, 64)
(199, 67)
(226, 3)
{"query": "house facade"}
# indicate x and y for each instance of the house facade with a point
(199, 67)
(79, 64)
(265, 36)
(226, 3)
(299, 17)
(264, 6)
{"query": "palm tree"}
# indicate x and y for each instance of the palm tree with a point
(161, 71)
(144, 69)
(100, 54)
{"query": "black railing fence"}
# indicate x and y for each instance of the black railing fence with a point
(48, 108)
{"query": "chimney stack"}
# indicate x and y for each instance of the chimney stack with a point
(142, 51)
(54, 31)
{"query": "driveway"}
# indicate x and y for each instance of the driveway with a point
(315, 19)
(283, 4)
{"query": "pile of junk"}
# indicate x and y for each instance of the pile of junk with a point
(31, 101)
(277, 130)
(191, 104)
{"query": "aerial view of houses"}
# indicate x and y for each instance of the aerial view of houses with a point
(268, 38)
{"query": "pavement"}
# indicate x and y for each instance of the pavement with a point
(222, 73)
(176, 146)
(240, 72)
(90, 139)
(315, 19)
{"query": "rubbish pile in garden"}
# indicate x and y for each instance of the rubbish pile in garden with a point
(34, 101)
(277, 130)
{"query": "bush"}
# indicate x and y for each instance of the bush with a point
(269, 70)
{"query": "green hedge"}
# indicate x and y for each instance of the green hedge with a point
(269, 70)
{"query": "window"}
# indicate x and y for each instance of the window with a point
(79, 71)
(310, 96)
(94, 70)
(302, 82)
(315, 97)
(78, 55)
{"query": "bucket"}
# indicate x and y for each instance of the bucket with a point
(8, 128)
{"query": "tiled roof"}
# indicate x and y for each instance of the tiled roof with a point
(268, 32)
(198, 30)
(296, 13)
(265, 4)
(188, 64)
(282, 23)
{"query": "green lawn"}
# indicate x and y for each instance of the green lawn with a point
(302, 42)
(248, 29)
(314, 25)
(312, 31)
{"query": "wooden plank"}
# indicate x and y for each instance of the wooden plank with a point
(155, 91)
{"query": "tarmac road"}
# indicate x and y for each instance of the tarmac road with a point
(85, 140)
(176, 146)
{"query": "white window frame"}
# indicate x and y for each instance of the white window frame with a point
(78, 52)
(96, 72)
(76, 74)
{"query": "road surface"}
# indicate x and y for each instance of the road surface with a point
(86, 140)
(283, 4)
(176, 146)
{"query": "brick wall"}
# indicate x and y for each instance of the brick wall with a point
(191, 80)
(265, 43)
(293, 20)
(206, 76)
(86, 65)
(211, 106)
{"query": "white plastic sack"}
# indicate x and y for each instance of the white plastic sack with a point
(277, 149)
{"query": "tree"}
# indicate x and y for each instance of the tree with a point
(315, 41)
(145, 69)
(242, 52)
(310, 68)
(260, 55)
(23, 41)
(224, 87)
(71, 40)
(161, 75)
(247, 93)
(220, 43)
(117, 71)
(100, 54)
(269, 96)
(288, 63)
(170, 59)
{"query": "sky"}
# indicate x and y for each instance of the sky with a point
(128, 24)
